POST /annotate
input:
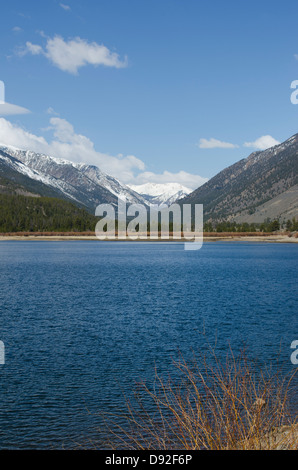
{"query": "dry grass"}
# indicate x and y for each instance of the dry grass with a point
(212, 406)
(48, 234)
(239, 234)
(91, 233)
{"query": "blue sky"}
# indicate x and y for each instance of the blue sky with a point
(149, 90)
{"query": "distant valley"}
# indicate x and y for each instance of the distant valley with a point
(263, 186)
(166, 193)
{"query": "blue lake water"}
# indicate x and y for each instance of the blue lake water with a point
(82, 321)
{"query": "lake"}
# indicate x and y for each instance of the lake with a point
(82, 321)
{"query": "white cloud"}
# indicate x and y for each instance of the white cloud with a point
(262, 143)
(34, 49)
(182, 177)
(16, 29)
(214, 143)
(75, 53)
(51, 111)
(11, 134)
(65, 7)
(68, 145)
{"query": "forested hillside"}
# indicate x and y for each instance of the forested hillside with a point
(42, 214)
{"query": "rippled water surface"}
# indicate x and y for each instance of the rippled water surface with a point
(82, 321)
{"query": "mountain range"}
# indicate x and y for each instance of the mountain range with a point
(30, 173)
(85, 185)
(262, 186)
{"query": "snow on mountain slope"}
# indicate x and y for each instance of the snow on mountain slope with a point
(156, 193)
(112, 184)
(16, 165)
(86, 184)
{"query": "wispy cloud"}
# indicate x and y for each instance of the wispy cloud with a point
(69, 56)
(52, 112)
(17, 29)
(215, 143)
(33, 49)
(65, 7)
(24, 15)
(262, 143)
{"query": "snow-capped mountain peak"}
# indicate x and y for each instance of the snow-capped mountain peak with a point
(86, 184)
(157, 193)
(82, 183)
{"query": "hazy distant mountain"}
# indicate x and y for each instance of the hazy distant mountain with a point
(167, 193)
(259, 186)
(85, 185)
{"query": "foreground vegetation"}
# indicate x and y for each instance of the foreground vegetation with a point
(213, 405)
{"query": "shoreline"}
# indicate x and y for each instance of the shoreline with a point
(215, 238)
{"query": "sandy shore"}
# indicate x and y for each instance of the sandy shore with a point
(226, 238)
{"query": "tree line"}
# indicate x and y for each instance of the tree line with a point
(48, 214)
(42, 214)
(268, 226)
